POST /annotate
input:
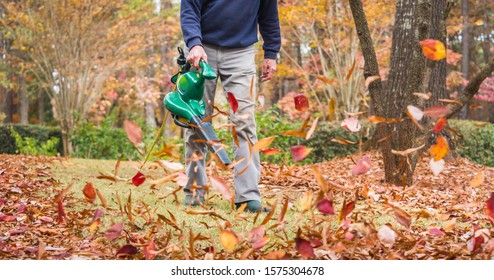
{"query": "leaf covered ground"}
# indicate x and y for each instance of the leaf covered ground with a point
(51, 208)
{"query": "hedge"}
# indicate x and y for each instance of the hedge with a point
(40, 133)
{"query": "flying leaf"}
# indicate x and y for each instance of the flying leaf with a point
(114, 231)
(301, 102)
(306, 201)
(415, 112)
(257, 237)
(437, 111)
(133, 131)
(440, 149)
(346, 209)
(376, 120)
(325, 206)
(407, 151)
(350, 71)
(127, 250)
(102, 199)
(312, 129)
(304, 248)
(351, 124)
(433, 49)
(270, 151)
(89, 192)
(451, 101)
(433, 231)
(96, 220)
(436, 166)
(387, 236)
(370, 79)
(320, 179)
(228, 239)
(299, 152)
(425, 96)
(60, 211)
(263, 143)
(489, 207)
(138, 179)
(233, 101)
(440, 125)
(220, 185)
(170, 165)
(332, 109)
(362, 166)
(149, 250)
(478, 179)
(343, 141)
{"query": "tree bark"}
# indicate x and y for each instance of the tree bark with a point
(41, 107)
(23, 100)
(465, 50)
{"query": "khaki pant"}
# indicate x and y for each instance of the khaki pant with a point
(235, 69)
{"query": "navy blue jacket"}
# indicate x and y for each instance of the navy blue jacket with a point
(231, 23)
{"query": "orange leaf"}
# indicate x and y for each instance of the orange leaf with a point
(301, 102)
(270, 151)
(233, 101)
(263, 143)
(332, 109)
(440, 125)
(433, 49)
(441, 148)
(376, 120)
(299, 152)
(133, 131)
(350, 71)
(89, 192)
(228, 239)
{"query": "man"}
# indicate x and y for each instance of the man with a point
(223, 33)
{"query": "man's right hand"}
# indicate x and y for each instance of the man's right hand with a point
(196, 54)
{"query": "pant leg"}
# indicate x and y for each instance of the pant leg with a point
(196, 170)
(237, 71)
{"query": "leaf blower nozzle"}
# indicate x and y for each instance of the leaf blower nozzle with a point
(187, 107)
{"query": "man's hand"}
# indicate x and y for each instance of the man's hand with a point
(268, 69)
(196, 54)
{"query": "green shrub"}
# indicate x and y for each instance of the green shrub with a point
(38, 134)
(101, 142)
(477, 143)
(31, 146)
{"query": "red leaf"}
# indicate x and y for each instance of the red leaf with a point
(437, 111)
(489, 207)
(7, 218)
(257, 237)
(133, 131)
(149, 251)
(138, 179)
(304, 248)
(220, 185)
(127, 250)
(325, 206)
(89, 192)
(114, 231)
(233, 101)
(362, 166)
(301, 102)
(440, 125)
(299, 152)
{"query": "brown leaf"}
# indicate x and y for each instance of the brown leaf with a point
(402, 217)
(102, 199)
(312, 129)
(478, 179)
(343, 141)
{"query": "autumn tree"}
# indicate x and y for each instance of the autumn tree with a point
(75, 46)
(410, 72)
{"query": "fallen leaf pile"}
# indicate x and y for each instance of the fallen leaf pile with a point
(321, 211)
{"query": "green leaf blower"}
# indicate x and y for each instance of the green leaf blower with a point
(187, 107)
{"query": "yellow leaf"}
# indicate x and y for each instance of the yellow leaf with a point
(306, 201)
(433, 49)
(228, 239)
(441, 148)
(263, 143)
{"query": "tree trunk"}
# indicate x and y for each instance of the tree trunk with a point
(149, 109)
(23, 100)
(465, 51)
(41, 107)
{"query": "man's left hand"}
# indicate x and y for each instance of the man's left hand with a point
(268, 69)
